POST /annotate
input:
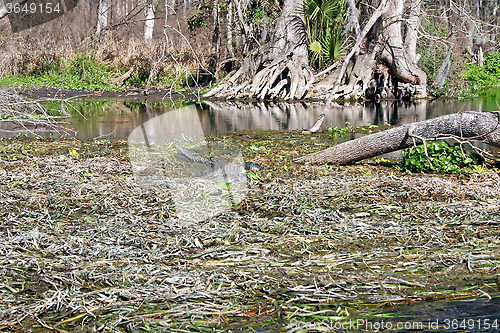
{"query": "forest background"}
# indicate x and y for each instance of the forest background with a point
(113, 44)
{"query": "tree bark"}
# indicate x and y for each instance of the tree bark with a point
(352, 24)
(102, 15)
(397, 56)
(150, 22)
(474, 125)
(444, 69)
(216, 34)
(384, 68)
(229, 31)
(340, 75)
(411, 36)
(377, 66)
(277, 70)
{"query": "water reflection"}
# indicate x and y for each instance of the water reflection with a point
(284, 116)
(116, 119)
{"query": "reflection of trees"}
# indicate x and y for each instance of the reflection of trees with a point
(227, 116)
(100, 119)
(116, 119)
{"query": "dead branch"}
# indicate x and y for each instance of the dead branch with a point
(29, 114)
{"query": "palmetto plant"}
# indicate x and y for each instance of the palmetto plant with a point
(324, 20)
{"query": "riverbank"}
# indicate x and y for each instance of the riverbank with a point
(85, 248)
(134, 94)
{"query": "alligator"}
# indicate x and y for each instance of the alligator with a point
(228, 171)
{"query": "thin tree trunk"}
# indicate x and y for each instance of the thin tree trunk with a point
(230, 48)
(216, 34)
(471, 124)
(412, 22)
(444, 69)
(150, 22)
(480, 57)
(102, 15)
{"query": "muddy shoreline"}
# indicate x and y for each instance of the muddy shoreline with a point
(84, 248)
(137, 94)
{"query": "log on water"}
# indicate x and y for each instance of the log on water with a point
(474, 125)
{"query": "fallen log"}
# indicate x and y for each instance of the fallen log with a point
(119, 81)
(469, 125)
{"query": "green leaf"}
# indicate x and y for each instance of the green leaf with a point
(73, 152)
(223, 185)
(315, 47)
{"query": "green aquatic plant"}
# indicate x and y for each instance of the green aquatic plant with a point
(336, 131)
(438, 157)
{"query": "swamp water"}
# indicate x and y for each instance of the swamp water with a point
(115, 120)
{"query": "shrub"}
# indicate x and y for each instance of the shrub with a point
(487, 75)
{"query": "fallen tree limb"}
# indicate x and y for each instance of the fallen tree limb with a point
(473, 125)
(119, 80)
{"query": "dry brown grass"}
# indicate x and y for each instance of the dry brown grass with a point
(120, 46)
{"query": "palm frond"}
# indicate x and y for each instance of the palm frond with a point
(323, 21)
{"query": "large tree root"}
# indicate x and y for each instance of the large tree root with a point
(277, 70)
(378, 66)
(473, 125)
(285, 78)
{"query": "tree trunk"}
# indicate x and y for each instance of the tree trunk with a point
(398, 58)
(216, 34)
(102, 15)
(471, 124)
(444, 69)
(383, 68)
(277, 70)
(352, 24)
(246, 29)
(229, 28)
(150, 22)
(411, 36)
(379, 65)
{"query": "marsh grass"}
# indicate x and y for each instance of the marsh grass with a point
(87, 73)
(85, 251)
(84, 72)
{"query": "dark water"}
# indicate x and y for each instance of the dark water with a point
(478, 314)
(115, 119)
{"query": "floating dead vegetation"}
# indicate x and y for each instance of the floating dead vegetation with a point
(83, 248)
